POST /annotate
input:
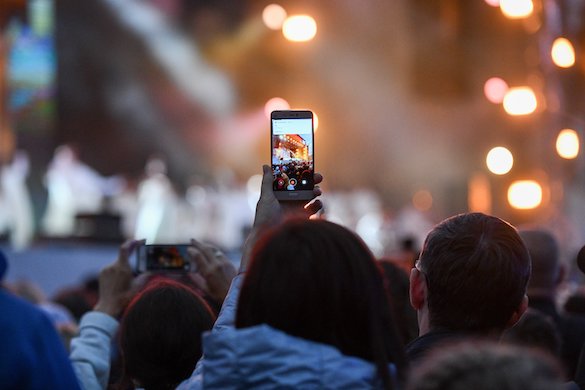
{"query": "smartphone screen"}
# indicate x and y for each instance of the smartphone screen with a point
(163, 258)
(292, 154)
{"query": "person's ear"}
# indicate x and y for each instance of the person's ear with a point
(417, 289)
(518, 312)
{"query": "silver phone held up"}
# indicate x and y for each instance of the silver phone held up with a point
(292, 154)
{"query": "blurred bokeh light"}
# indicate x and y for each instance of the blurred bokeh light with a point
(274, 16)
(525, 194)
(422, 200)
(495, 89)
(299, 28)
(499, 160)
(520, 101)
(493, 3)
(568, 144)
(563, 53)
(315, 121)
(479, 198)
(516, 9)
(275, 104)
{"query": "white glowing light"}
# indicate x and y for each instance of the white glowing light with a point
(520, 101)
(499, 160)
(516, 9)
(274, 16)
(299, 28)
(568, 144)
(563, 53)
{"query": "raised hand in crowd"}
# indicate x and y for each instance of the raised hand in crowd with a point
(270, 211)
(214, 268)
(115, 281)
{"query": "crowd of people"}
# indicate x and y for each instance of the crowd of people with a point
(311, 307)
(293, 175)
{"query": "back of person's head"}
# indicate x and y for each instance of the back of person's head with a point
(160, 334)
(476, 268)
(544, 252)
(486, 366)
(75, 301)
(576, 304)
(535, 330)
(317, 280)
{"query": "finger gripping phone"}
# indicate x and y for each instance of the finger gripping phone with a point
(292, 154)
(161, 258)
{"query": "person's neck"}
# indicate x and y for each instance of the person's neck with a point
(423, 321)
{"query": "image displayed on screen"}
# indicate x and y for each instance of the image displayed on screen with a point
(292, 154)
(172, 257)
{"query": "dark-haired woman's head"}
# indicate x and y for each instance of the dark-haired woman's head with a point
(317, 280)
(160, 334)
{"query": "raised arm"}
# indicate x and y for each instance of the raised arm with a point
(270, 211)
(90, 351)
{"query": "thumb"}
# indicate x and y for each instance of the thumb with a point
(126, 250)
(266, 180)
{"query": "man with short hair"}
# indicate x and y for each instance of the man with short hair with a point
(470, 280)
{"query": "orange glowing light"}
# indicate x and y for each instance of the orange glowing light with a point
(275, 104)
(274, 16)
(563, 53)
(495, 89)
(568, 144)
(479, 198)
(299, 28)
(525, 194)
(422, 200)
(315, 121)
(520, 101)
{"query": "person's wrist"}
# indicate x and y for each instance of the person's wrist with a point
(108, 308)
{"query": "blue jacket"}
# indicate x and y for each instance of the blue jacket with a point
(258, 357)
(262, 357)
(32, 355)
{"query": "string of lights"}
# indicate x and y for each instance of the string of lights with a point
(523, 100)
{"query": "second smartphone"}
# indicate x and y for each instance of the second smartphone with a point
(292, 154)
(163, 258)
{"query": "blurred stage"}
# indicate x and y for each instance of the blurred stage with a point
(62, 264)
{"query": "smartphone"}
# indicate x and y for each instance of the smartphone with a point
(292, 154)
(161, 258)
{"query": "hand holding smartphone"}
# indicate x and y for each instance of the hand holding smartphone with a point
(163, 258)
(292, 154)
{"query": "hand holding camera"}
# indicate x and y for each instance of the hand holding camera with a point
(214, 267)
(115, 281)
